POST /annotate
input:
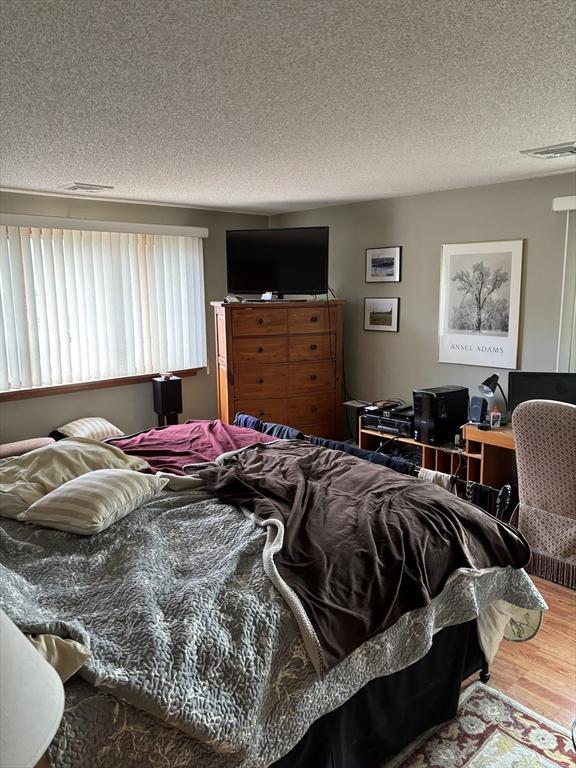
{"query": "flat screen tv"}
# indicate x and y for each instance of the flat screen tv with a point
(523, 385)
(282, 261)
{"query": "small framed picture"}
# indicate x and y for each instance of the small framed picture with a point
(383, 264)
(381, 314)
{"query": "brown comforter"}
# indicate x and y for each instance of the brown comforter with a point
(362, 544)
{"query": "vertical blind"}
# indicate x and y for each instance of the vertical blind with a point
(81, 306)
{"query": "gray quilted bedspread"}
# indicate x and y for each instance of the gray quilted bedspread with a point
(196, 659)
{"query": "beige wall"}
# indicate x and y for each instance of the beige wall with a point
(377, 364)
(382, 365)
(129, 407)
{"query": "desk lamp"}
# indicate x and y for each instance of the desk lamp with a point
(31, 699)
(488, 388)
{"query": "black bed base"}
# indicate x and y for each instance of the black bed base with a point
(389, 712)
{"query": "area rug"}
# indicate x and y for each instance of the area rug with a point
(490, 730)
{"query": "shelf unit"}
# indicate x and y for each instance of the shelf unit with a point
(486, 457)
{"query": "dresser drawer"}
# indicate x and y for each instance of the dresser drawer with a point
(259, 321)
(311, 409)
(275, 410)
(260, 350)
(311, 320)
(310, 377)
(268, 381)
(319, 347)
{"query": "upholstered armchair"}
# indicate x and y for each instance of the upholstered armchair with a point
(545, 435)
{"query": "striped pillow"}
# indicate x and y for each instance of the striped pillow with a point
(94, 427)
(24, 479)
(92, 502)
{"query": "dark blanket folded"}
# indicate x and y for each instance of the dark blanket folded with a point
(170, 449)
(281, 431)
(362, 544)
(398, 463)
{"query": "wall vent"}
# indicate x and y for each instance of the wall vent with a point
(567, 149)
(81, 186)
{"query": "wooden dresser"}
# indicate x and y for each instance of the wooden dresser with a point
(282, 362)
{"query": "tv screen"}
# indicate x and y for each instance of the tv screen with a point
(540, 386)
(282, 261)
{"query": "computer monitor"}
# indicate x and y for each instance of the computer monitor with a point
(540, 386)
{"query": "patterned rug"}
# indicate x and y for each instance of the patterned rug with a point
(490, 731)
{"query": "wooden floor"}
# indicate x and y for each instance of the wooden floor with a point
(541, 673)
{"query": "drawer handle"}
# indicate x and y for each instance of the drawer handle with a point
(313, 346)
(313, 409)
(313, 377)
(259, 381)
(314, 319)
(260, 349)
(259, 321)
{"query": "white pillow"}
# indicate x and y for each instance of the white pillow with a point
(92, 502)
(94, 427)
(25, 479)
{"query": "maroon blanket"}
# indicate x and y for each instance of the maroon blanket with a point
(170, 449)
(362, 544)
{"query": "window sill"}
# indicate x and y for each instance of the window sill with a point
(61, 389)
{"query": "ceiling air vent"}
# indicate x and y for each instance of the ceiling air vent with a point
(81, 186)
(567, 149)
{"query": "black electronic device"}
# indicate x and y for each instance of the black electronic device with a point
(397, 409)
(439, 412)
(523, 385)
(281, 261)
(395, 420)
(353, 409)
(478, 409)
(167, 390)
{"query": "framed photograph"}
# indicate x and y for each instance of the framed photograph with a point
(381, 314)
(383, 265)
(480, 303)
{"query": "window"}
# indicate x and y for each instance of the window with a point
(79, 305)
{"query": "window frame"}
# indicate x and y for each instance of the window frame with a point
(95, 225)
(61, 389)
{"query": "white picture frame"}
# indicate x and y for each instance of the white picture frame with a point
(480, 287)
(383, 264)
(381, 314)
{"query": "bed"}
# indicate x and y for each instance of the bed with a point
(225, 632)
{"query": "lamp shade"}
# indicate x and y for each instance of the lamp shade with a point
(488, 386)
(31, 699)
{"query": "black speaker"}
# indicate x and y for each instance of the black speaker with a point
(352, 411)
(478, 408)
(167, 399)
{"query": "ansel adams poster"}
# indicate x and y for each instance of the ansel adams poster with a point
(480, 303)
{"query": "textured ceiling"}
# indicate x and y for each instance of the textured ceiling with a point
(269, 105)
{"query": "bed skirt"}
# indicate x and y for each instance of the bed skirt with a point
(389, 712)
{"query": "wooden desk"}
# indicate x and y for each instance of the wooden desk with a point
(497, 453)
(486, 456)
(503, 436)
